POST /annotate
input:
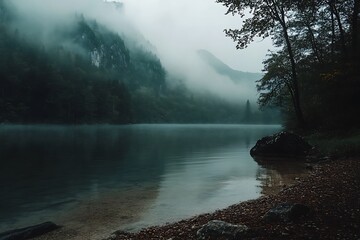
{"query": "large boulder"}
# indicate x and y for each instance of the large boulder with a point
(286, 212)
(28, 232)
(217, 229)
(283, 144)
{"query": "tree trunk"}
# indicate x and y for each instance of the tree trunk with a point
(333, 36)
(341, 29)
(314, 44)
(295, 82)
(355, 30)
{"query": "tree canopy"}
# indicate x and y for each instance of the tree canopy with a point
(313, 74)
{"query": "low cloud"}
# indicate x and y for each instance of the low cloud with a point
(176, 29)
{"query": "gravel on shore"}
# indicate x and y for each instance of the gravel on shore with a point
(332, 191)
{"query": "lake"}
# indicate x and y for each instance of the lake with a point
(129, 176)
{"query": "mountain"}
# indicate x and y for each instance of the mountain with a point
(223, 69)
(90, 74)
(106, 50)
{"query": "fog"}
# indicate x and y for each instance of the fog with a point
(175, 28)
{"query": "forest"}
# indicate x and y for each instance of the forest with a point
(313, 75)
(88, 74)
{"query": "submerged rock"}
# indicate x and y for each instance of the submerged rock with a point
(28, 232)
(286, 212)
(283, 144)
(217, 229)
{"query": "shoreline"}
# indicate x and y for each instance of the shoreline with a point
(95, 219)
(331, 191)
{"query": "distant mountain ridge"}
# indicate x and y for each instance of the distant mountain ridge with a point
(220, 67)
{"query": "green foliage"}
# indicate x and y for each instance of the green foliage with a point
(90, 76)
(55, 86)
(337, 144)
(269, 18)
(146, 71)
(313, 76)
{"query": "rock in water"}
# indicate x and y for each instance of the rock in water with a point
(28, 232)
(283, 144)
(216, 229)
(286, 212)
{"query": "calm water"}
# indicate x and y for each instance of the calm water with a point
(181, 170)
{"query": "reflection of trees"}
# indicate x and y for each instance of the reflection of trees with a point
(274, 174)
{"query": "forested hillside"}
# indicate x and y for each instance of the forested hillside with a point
(86, 73)
(55, 85)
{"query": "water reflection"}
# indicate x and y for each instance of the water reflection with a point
(188, 188)
(185, 169)
(275, 174)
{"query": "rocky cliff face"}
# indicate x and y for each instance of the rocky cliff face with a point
(108, 51)
(103, 48)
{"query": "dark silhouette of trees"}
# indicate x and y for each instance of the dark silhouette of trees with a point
(317, 61)
(248, 113)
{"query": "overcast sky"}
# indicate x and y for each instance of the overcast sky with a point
(194, 24)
